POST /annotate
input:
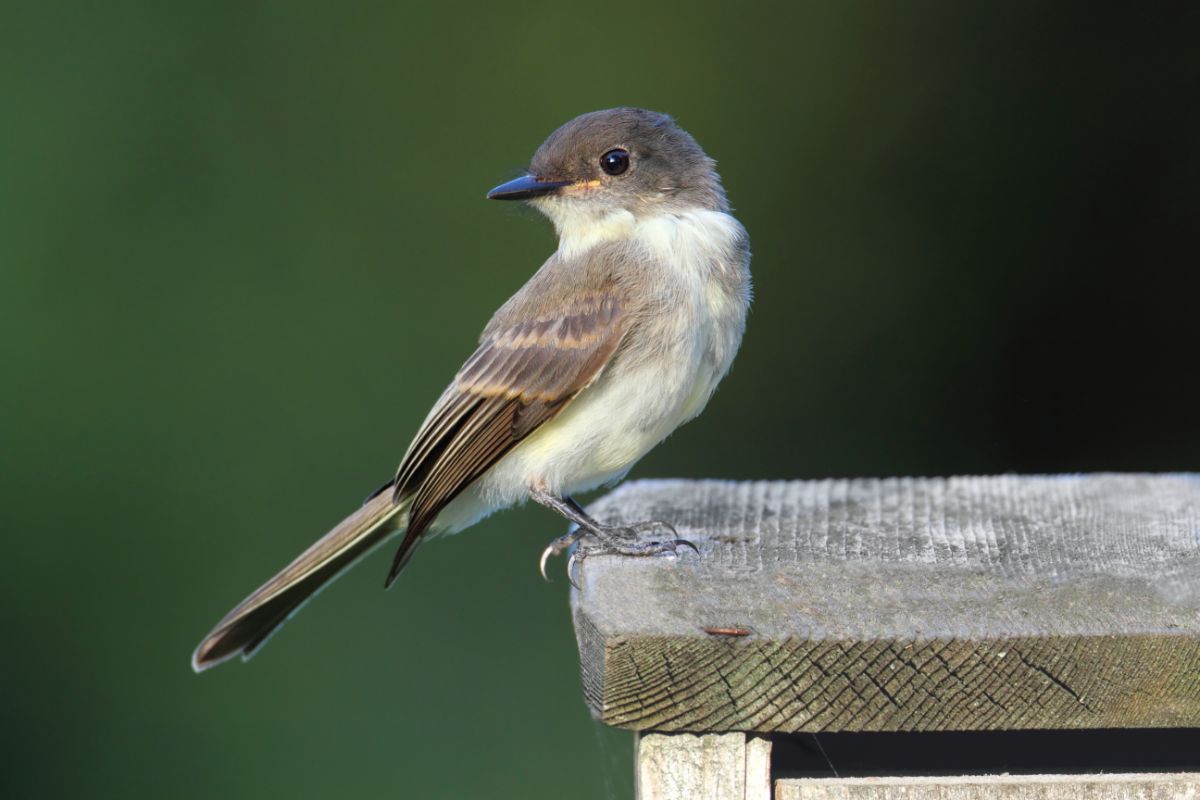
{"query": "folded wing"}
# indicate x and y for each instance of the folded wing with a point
(522, 375)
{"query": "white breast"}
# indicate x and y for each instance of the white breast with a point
(635, 403)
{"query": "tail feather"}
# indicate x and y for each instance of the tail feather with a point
(251, 623)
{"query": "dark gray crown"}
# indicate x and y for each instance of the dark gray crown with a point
(666, 166)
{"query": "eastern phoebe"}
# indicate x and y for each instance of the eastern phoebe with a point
(618, 339)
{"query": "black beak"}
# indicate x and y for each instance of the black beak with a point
(524, 188)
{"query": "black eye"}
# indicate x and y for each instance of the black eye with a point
(614, 162)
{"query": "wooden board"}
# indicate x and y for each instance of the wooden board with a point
(713, 766)
(1137, 786)
(900, 604)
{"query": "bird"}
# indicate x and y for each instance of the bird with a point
(619, 338)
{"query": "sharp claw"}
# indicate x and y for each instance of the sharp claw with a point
(686, 543)
(571, 570)
(556, 547)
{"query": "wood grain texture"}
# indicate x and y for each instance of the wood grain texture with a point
(682, 766)
(1137, 786)
(900, 604)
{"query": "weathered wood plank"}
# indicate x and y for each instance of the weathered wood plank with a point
(682, 766)
(900, 604)
(758, 768)
(1137, 786)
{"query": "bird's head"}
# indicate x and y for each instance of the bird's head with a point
(621, 159)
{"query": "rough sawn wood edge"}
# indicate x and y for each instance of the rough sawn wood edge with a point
(1136, 667)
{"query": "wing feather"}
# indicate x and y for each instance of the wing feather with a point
(522, 375)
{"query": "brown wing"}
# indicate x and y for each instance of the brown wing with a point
(521, 376)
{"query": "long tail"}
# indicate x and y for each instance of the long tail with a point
(245, 628)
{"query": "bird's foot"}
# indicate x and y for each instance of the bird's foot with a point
(613, 540)
(557, 548)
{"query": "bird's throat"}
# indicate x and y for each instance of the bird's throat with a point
(580, 227)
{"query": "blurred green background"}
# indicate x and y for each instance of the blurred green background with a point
(243, 246)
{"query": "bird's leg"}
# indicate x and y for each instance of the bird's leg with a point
(620, 539)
